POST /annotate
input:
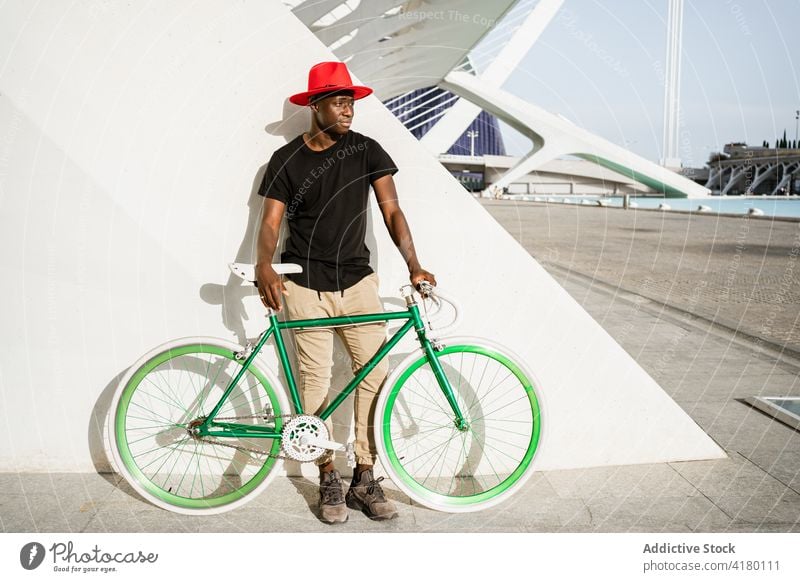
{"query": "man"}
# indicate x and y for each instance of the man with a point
(320, 181)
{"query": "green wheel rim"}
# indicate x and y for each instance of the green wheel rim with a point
(500, 487)
(126, 454)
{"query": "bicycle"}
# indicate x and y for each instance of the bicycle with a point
(201, 426)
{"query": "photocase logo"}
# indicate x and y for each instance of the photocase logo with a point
(31, 555)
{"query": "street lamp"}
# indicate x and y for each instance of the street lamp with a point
(796, 119)
(472, 134)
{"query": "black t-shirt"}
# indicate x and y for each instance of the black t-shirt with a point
(326, 195)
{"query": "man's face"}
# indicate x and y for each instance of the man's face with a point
(334, 114)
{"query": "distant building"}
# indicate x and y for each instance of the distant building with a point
(742, 170)
(570, 176)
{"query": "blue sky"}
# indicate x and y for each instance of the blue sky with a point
(601, 63)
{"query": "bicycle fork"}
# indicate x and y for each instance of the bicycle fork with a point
(430, 353)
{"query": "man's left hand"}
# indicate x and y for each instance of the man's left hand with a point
(421, 274)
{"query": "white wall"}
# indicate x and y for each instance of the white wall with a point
(133, 138)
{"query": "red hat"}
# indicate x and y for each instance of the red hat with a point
(327, 78)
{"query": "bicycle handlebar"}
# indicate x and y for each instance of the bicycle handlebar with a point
(426, 290)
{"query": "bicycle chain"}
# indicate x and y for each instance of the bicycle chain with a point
(249, 449)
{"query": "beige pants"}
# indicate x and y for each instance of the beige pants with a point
(315, 353)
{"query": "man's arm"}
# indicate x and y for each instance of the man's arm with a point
(396, 224)
(270, 285)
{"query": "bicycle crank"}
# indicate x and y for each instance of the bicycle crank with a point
(305, 438)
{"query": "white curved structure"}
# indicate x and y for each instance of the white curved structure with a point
(554, 136)
(134, 139)
(460, 115)
(417, 45)
(402, 45)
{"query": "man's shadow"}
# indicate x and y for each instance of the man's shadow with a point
(230, 296)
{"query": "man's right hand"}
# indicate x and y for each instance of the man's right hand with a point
(270, 286)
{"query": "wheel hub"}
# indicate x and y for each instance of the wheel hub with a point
(193, 428)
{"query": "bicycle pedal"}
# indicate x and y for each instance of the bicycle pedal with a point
(350, 452)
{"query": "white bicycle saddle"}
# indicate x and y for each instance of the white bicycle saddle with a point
(248, 272)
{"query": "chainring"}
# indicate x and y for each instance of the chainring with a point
(304, 425)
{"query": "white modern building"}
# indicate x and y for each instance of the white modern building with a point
(134, 136)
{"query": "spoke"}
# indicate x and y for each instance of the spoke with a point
(168, 451)
(163, 486)
(234, 397)
(443, 449)
(144, 438)
(211, 474)
(502, 452)
(131, 417)
(458, 463)
(492, 383)
(169, 421)
(208, 388)
(496, 386)
(525, 397)
(158, 387)
(198, 474)
(180, 483)
(409, 461)
(207, 374)
(146, 393)
(471, 372)
(252, 403)
(416, 405)
(485, 456)
(439, 406)
(416, 435)
(527, 435)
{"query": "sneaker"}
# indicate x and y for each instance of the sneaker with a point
(332, 508)
(366, 494)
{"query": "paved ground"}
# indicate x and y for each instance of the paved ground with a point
(741, 272)
(704, 284)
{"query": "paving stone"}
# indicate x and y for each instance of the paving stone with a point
(659, 513)
(626, 481)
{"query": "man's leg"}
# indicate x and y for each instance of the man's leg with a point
(314, 349)
(362, 342)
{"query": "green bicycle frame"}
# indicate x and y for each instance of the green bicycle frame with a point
(209, 427)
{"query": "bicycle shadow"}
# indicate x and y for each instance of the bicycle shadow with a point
(98, 433)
